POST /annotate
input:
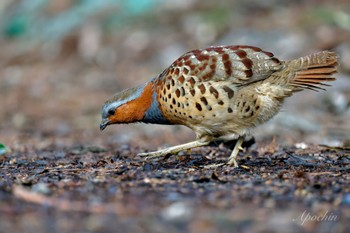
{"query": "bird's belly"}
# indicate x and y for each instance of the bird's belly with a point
(216, 109)
(236, 116)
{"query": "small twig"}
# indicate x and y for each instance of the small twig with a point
(324, 173)
(341, 148)
(67, 205)
(79, 170)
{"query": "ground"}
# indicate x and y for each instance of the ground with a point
(59, 173)
(103, 189)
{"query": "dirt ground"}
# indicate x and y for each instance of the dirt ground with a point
(59, 173)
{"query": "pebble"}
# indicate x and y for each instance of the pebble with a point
(41, 188)
(338, 102)
(301, 145)
(177, 211)
(346, 199)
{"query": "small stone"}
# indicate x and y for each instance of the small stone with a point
(41, 188)
(301, 145)
(346, 199)
(177, 211)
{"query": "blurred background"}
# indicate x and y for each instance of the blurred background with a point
(61, 59)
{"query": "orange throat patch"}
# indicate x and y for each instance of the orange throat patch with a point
(134, 110)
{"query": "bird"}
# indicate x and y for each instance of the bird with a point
(221, 93)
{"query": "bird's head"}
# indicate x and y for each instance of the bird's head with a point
(127, 106)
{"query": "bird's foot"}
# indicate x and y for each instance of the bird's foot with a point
(154, 154)
(173, 150)
(238, 147)
(232, 162)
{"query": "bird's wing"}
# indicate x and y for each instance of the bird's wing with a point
(238, 65)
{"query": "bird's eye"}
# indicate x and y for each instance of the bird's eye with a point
(111, 112)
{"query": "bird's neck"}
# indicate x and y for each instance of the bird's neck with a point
(144, 108)
(154, 115)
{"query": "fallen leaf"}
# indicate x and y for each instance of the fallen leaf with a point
(3, 149)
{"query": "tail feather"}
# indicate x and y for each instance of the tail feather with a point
(312, 71)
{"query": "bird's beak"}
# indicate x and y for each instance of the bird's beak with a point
(104, 124)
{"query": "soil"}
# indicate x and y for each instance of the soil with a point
(88, 188)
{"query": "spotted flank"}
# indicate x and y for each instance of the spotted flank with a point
(206, 81)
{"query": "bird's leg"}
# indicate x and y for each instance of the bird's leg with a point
(238, 147)
(174, 149)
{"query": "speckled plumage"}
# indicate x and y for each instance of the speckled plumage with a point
(206, 89)
(219, 92)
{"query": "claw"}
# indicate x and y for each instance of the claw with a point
(232, 162)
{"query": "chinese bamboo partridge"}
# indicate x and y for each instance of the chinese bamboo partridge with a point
(221, 93)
